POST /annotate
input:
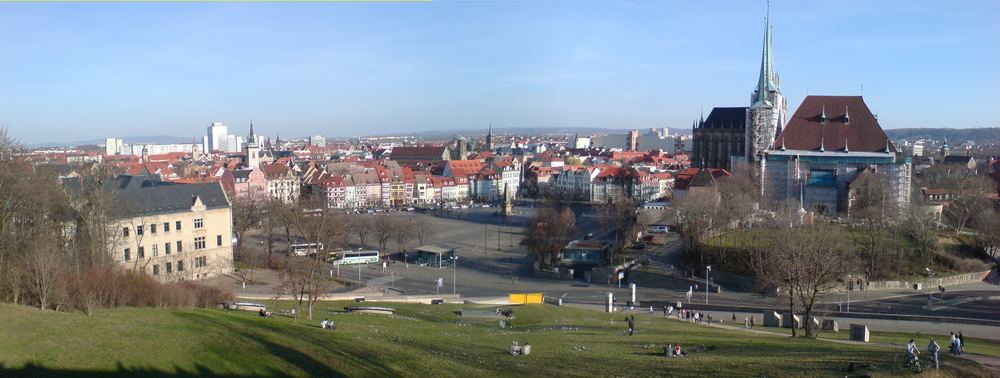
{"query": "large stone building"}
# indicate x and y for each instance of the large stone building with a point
(827, 143)
(173, 231)
(720, 137)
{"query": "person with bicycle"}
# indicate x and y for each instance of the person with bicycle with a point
(911, 352)
(932, 350)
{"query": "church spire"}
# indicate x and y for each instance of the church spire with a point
(766, 82)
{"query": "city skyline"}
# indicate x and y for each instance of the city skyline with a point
(78, 72)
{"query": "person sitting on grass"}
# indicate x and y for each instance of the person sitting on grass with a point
(678, 352)
(327, 324)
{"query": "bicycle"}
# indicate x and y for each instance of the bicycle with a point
(912, 361)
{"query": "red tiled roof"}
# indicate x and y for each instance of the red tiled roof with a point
(705, 176)
(805, 131)
(464, 168)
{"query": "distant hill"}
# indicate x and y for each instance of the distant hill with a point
(986, 135)
(534, 131)
(154, 139)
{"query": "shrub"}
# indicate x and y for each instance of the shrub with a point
(108, 288)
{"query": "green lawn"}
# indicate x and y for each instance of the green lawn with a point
(419, 341)
(973, 345)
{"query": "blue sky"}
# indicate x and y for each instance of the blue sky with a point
(72, 71)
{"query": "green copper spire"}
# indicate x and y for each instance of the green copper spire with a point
(766, 82)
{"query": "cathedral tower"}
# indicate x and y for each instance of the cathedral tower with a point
(767, 105)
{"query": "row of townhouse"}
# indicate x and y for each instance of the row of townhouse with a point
(387, 184)
(599, 184)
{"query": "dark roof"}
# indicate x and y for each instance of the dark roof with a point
(243, 174)
(147, 195)
(418, 153)
(726, 118)
(957, 159)
(805, 131)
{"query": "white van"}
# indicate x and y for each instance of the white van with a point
(658, 229)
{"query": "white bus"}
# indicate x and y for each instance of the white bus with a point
(354, 257)
(306, 249)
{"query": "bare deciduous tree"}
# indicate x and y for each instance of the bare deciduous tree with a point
(968, 198)
(548, 232)
(382, 228)
(810, 262)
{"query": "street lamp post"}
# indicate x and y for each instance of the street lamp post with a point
(707, 269)
(454, 275)
(849, 293)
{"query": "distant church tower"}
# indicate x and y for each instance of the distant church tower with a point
(767, 105)
(253, 150)
(489, 138)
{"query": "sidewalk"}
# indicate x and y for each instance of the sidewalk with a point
(989, 362)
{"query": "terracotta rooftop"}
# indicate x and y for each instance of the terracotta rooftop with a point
(847, 121)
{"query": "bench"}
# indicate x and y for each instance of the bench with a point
(371, 310)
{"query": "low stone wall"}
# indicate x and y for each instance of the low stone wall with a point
(929, 283)
(555, 274)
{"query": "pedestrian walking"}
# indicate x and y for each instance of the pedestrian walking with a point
(953, 344)
(752, 321)
(746, 322)
(631, 325)
(734, 317)
(932, 350)
(651, 310)
(961, 343)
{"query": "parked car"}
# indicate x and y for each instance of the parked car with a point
(639, 246)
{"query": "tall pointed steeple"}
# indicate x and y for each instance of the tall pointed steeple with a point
(489, 138)
(766, 82)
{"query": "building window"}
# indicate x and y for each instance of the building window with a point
(125, 231)
(166, 226)
(156, 250)
(138, 230)
(166, 248)
(199, 243)
(128, 254)
(200, 262)
(218, 240)
(170, 268)
(199, 223)
(177, 226)
(180, 266)
(156, 270)
(141, 253)
(180, 247)
(152, 228)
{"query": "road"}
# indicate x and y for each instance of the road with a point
(492, 264)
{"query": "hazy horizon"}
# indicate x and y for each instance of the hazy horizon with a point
(78, 71)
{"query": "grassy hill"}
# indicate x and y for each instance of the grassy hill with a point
(419, 341)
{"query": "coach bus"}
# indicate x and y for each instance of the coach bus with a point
(353, 257)
(305, 249)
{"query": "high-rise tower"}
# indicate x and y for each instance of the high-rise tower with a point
(767, 105)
